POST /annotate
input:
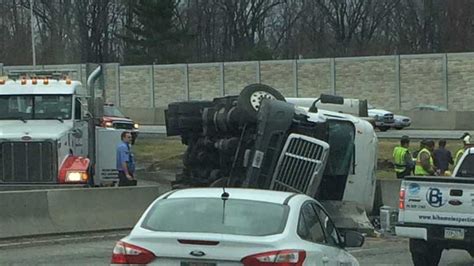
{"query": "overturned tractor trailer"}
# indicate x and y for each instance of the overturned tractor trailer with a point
(48, 132)
(259, 140)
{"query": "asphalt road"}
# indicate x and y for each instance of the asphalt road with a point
(96, 249)
(151, 131)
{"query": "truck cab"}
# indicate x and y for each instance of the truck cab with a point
(44, 131)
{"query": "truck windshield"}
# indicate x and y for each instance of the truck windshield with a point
(29, 107)
(112, 111)
(341, 154)
(340, 161)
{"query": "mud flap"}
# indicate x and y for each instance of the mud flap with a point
(348, 215)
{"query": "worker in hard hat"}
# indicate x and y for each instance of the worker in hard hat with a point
(466, 139)
(424, 160)
(402, 160)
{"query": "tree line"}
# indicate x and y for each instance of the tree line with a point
(178, 31)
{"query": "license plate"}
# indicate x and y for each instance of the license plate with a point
(193, 263)
(454, 233)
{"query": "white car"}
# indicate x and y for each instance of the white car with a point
(401, 121)
(210, 227)
(384, 119)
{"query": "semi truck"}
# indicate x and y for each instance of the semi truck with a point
(48, 132)
(259, 140)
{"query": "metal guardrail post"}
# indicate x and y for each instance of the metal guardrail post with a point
(398, 89)
(333, 75)
(259, 79)
(152, 85)
(117, 85)
(445, 80)
(186, 81)
(222, 79)
(295, 76)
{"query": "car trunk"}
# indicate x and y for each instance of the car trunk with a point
(201, 248)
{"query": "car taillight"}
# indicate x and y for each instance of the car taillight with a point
(125, 253)
(401, 203)
(276, 258)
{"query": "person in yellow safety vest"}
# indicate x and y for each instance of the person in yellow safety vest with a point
(402, 160)
(466, 139)
(424, 160)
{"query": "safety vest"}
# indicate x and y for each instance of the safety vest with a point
(419, 170)
(458, 156)
(399, 159)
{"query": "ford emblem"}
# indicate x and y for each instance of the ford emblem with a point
(197, 253)
(26, 138)
(455, 202)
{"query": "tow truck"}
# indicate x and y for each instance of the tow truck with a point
(48, 133)
(258, 140)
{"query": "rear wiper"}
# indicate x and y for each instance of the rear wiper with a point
(60, 119)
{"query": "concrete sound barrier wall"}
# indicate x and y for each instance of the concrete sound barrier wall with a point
(26, 213)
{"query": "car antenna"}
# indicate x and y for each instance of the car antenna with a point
(224, 197)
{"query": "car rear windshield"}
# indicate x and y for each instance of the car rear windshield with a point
(467, 167)
(207, 215)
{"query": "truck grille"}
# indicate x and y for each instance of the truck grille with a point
(123, 125)
(28, 162)
(301, 165)
(388, 118)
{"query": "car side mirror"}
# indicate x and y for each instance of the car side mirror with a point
(353, 239)
(87, 115)
(77, 133)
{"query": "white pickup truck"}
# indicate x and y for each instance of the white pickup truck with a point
(437, 213)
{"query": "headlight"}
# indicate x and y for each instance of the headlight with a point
(108, 124)
(76, 176)
(135, 126)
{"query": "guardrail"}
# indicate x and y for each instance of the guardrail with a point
(40, 212)
(57, 211)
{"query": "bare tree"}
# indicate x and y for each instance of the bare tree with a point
(244, 26)
(15, 47)
(222, 30)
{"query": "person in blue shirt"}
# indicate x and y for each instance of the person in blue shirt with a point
(442, 157)
(125, 161)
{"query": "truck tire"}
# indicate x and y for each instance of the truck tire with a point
(384, 128)
(251, 97)
(424, 253)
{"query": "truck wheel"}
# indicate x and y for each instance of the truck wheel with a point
(424, 253)
(384, 128)
(251, 97)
